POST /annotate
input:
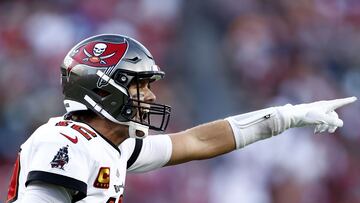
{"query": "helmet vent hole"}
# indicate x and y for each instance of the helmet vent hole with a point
(133, 60)
(100, 92)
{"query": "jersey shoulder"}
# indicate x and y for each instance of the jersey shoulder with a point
(56, 154)
(58, 130)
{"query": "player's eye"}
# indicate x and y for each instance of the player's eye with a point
(144, 84)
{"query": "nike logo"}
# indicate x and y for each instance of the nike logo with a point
(73, 140)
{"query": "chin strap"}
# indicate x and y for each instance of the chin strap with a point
(136, 130)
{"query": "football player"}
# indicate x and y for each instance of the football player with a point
(84, 155)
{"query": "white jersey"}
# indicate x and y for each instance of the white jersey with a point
(73, 155)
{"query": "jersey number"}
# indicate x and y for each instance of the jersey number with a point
(14, 182)
(88, 134)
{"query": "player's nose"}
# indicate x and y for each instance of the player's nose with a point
(150, 96)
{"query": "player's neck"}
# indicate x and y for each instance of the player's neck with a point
(116, 133)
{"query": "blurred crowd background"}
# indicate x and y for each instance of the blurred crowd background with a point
(221, 57)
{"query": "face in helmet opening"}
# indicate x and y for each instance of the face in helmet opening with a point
(142, 97)
(141, 107)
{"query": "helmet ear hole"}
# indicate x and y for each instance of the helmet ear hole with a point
(101, 92)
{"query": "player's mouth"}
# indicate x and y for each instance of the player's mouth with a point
(144, 114)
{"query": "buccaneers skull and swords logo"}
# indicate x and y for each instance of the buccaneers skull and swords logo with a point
(100, 55)
(97, 57)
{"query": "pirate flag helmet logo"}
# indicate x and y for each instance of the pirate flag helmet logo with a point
(100, 55)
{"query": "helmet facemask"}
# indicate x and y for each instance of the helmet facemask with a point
(155, 116)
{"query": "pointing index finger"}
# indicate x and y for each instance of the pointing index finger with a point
(337, 103)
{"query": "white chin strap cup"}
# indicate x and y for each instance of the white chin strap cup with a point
(137, 130)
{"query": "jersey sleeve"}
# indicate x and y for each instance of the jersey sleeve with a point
(45, 193)
(53, 159)
(147, 154)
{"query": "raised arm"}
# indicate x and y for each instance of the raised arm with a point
(222, 136)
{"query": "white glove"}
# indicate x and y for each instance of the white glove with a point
(320, 114)
(251, 127)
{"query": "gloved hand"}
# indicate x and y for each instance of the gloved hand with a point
(257, 125)
(320, 114)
